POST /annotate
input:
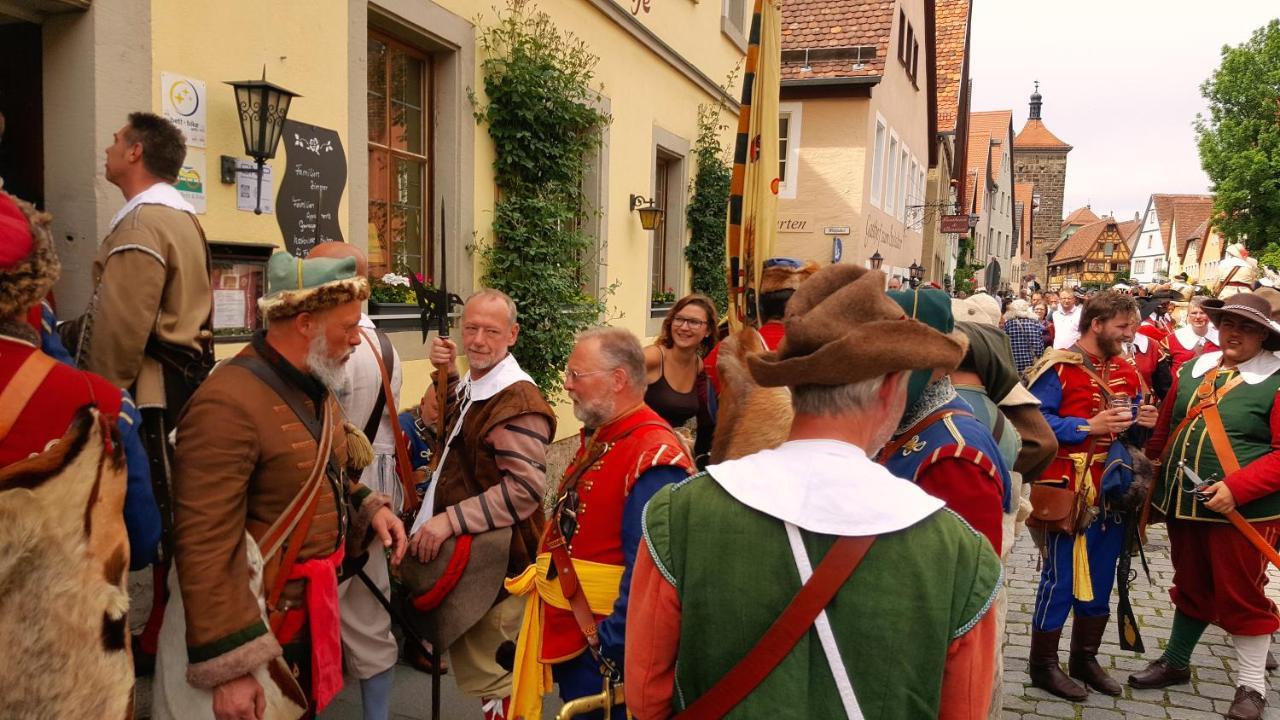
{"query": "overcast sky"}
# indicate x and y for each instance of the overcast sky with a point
(1121, 84)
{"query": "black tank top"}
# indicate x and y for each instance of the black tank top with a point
(674, 407)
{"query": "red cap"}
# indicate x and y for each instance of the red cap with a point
(15, 233)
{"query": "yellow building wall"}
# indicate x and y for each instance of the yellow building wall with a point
(303, 45)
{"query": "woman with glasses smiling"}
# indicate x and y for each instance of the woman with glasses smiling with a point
(676, 375)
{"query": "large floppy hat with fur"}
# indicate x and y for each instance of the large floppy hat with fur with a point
(842, 328)
(782, 273)
(295, 286)
(28, 263)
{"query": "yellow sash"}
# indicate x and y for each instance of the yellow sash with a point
(530, 678)
(1081, 580)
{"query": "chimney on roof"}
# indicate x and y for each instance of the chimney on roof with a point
(1136, 216)
(1036, 102)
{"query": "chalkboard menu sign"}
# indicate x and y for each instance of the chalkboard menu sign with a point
(311, 185)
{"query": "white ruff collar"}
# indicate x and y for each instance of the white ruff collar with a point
(1259, 368)
(1142, 342)
(1188, 338)
(825, 486)
(158, 194)
(502, 376)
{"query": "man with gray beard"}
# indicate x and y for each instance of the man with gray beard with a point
(626, 453)
(264, 506)
(489, 483)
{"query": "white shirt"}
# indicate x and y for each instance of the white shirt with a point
(1066, 328)
(158, 194)
(363, 386)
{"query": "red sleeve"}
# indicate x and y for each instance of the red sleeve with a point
(1160, 434)
(970, 673)
(709, 363)
(653, 638)
(1262, 476)
(970, 491)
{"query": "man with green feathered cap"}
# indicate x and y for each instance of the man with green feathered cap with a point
(939, 444)
(727, 550)
(265, 502)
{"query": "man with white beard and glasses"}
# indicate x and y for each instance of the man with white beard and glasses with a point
(486, 489)
(265, 502)
(577, 590)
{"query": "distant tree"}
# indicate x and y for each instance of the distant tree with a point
(1240, 139)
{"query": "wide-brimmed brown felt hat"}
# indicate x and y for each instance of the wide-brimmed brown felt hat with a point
(472, 592)
(1248, 306)
(842, 328)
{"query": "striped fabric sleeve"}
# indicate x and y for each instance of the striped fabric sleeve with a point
(520, 451)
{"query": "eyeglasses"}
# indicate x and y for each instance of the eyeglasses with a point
(575, 376)
(691, 322)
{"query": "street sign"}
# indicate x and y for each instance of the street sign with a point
(837, 230)
(955, 224)
(837, 250)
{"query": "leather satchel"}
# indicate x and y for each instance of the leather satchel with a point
(1054, 509)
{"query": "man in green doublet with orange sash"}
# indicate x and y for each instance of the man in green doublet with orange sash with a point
(889, 593)
(1221, 421)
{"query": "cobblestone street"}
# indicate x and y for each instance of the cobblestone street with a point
(1208, 695)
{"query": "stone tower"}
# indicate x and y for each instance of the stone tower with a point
(1040, 157)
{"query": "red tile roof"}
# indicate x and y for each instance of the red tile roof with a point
(1082, 241)
(1035, 136)
(984, 127)
(826, 24)
(1164, 211)
(1080, 216)
(951, 29)
(1188, 216)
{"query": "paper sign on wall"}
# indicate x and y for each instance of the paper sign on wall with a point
(182, 102)
(247, 187)
(191, 179)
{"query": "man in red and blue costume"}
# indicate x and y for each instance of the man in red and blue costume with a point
(940, 445)
(626, 453)
(1074, 387)
(28, 269)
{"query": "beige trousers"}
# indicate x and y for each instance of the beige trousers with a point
(368, 647)
(473, 656)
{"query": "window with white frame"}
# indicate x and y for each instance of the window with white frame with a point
(789, 121)
(902, 184)
(877, 165)
(891, 178)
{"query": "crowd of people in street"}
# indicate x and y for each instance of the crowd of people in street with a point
(808, 516)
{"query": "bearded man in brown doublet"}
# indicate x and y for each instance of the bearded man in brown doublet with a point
(264, 501)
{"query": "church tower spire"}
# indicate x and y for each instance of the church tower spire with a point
(1036, 102)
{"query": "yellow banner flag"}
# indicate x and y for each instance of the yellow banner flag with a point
(753, 192)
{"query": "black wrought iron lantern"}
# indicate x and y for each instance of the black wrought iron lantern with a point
(650, 213)
(262, 107)
(916, 273)
(877, 260)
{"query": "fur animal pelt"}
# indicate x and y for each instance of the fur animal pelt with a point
(751, 418)
(64, 553)
(177, 699)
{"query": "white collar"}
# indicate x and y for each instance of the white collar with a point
(1259, 368)
(825, 486)
(1142, 342)
(1074, 312)
(158, 194)
(502, 376)
(366, 322)
(1188, 337)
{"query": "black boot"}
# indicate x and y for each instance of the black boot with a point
(1044, 670)
(1086, 636)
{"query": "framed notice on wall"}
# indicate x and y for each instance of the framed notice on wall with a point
(239, 279)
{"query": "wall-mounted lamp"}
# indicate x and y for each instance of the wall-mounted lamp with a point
(916, 273)
(650, 213)
(877, 260)
(262, 107)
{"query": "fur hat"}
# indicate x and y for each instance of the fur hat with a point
(785, 274)
(1249, 307)
(296, 286)
(842, 328)
(28, 264)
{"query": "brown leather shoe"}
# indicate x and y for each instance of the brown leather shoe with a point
(1043, 667)
(1248, 704)
(1086, 636)
(1159, 674)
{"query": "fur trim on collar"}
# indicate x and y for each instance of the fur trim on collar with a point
(288, 303)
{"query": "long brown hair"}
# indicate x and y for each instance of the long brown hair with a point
(702, 301)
